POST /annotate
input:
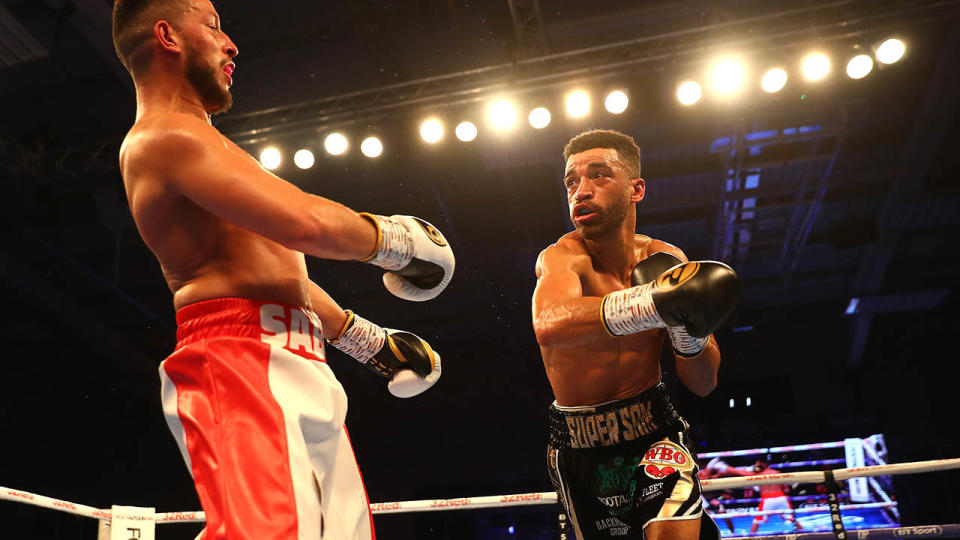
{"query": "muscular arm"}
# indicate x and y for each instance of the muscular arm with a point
(332, 316)
(562, 316)
(192, 159)
(699, 373)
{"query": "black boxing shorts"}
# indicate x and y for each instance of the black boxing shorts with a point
(620, 466)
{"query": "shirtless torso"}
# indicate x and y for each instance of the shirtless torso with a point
(601, 369)
(202, 255)
(613, 422)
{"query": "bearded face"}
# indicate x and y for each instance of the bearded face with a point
(599, 192)
(207, 78)
(605, 220)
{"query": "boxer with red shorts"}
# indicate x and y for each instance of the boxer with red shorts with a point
(248, 390)
(247, 394)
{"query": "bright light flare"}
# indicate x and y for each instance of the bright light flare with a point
(431, 130)
(502, 115)
(815, 66)
(689, 93)
(539, 118)
(890, 51)
(466, 131)
(859, 66)
(270, 158)
(773, 80)
(616, 102)
(371, 147)
(727, 77)
(303, 158)
(578, 104)
(335, 144)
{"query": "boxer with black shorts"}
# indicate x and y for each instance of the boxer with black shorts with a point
(247, 394)
(605, 301)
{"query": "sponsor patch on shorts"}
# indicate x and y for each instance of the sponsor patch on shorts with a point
(664, 458)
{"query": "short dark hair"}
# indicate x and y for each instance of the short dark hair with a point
(133, 26)
(625, 146)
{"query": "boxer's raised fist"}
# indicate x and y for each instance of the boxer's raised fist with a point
(697, 295)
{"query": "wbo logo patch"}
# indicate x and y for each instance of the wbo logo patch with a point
(665, 458)
(658, 472)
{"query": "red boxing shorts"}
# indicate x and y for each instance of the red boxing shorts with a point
(259, 418)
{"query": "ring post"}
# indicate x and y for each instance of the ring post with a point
(132, 523)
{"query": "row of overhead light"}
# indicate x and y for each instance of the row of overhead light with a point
(728, 75)
(727, 78)
(501, 113)
(335, 144)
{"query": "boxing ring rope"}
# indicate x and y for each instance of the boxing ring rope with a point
(527, 499)
(772, 450)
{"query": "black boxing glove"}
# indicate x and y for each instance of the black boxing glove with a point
(697, 295)
(408, 361)
(649, 269)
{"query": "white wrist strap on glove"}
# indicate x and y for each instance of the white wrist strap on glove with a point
(684, 343)
(394, 245)
(630, 311)
(362, 339)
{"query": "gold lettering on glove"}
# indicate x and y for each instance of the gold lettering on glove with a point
(431, 232)
(678, 276)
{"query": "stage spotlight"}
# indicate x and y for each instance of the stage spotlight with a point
(727, 77)
(466, 131)
(616, 102)
(859, 66)
(270, 158)
(371, 147)
(578, 103)
(689, 93)
(773, 80)
(815, 66)
(303, 158)
(502, 115)
(890, 51)
(335, 143)
(539, 117)
(431, 130)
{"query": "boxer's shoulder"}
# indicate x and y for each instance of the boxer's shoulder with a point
(158, 143)
(568, 252)
(648, 246)
(170, 129)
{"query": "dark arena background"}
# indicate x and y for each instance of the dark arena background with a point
(836, 197)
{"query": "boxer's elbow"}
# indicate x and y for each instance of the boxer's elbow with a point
(700, 383)
(550, 332)
(703, 388)
(545, 332)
